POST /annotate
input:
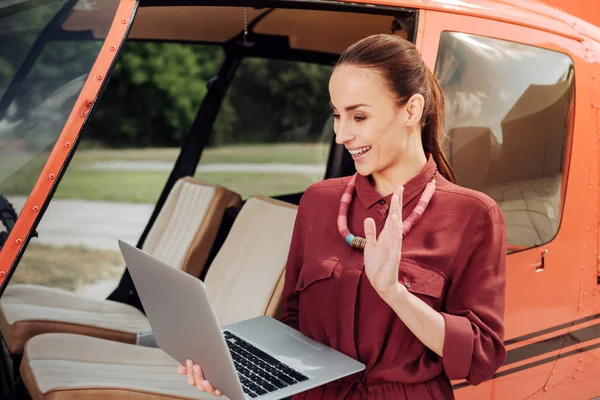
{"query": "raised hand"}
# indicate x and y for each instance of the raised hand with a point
(382, 255)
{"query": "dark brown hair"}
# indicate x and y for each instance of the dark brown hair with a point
(406, 74)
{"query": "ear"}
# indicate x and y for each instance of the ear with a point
(414, 109)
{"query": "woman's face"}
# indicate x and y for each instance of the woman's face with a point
(368, 121)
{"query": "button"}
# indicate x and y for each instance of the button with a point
(382, 202)
(301, 284)
(407, 284)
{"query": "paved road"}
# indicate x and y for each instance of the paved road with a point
(93, 224)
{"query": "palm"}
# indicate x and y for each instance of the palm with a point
(382, 255)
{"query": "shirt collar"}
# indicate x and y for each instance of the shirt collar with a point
(368, 196)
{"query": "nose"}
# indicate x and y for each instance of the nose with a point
(342, 133)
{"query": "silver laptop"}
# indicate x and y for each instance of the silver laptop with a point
(259, 358)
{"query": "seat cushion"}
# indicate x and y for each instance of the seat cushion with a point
(28, 310)
(187, 225)
(66, 366)
(244, 280)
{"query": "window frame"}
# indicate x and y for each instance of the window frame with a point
(438, 23)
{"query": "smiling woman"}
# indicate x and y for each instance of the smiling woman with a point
(403, 292)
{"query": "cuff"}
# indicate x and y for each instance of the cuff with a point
(458, 346)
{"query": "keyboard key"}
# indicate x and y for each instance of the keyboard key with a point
(276, 382)
(286, 379)
(269, 388)
(296, 375)
(259, 372)
(260, 391)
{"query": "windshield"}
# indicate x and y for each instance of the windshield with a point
(46, 53)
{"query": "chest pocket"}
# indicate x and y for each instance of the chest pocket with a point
(426, 283)
(314, 270)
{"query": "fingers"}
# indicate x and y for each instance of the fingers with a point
(203, 384)
(195, 377)
(370, 232)
(199, 378)
(396, 207)
(190, 372)
(393, 242)
(397, 242)
(209, 388)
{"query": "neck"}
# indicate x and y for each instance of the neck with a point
(408, 166)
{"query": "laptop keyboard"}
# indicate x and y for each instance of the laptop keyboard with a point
(259, 372)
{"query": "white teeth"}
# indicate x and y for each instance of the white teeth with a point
(359, 151)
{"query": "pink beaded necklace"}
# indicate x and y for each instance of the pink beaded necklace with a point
(358, 242)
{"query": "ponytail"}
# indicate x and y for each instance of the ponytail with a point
(433, 129)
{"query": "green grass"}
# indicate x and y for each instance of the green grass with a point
(268, 184)
(128, 186)
(295, 153)
(145, 186)
(66, 267)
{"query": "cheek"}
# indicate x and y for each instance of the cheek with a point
(382, 136)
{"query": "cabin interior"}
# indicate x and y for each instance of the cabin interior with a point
(512, 147)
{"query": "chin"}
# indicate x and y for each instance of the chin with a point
(364, 168)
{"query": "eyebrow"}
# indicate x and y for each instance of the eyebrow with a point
(350, 108)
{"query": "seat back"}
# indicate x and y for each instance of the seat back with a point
(187, 225)
(245, 280)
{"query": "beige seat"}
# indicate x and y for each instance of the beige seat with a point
(245, 280)
(182, 236)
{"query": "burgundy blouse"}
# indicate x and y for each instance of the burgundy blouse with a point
(454, 259)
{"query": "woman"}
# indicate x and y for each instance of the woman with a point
(418, 294)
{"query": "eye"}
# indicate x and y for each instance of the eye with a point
(359, 118)
(335, 116)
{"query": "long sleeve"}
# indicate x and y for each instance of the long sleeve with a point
(292, 270)
(474, 308)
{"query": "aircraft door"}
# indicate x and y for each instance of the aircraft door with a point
(510, 119)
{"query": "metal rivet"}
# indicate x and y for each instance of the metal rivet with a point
(123, 21)
(99, 77)
(68, 144)
(52, 176)
(19, 241)
(113, 48)
(2, 274)
(36, 208)
(302, 284)
(82, 114)
(407, 284)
